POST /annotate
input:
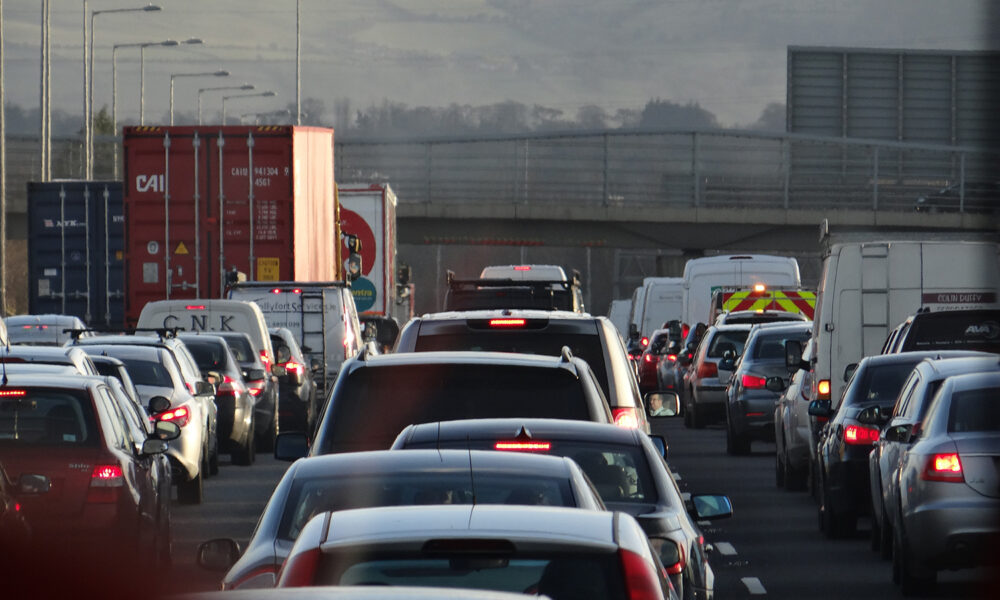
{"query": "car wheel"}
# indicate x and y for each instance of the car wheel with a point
(164, 547)
(885, 534)
(243, 455)
(697, 417)
(875, 535)
(795, 478)
(736, 444)
(912, 581)
(265, 442)
(213, 458)
(687, 417)
(779, 470)
(205, 460)
(191, 492)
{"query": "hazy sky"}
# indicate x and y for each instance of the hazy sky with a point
(727, 55)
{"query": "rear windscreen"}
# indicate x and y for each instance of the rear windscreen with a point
(772, 347)
(513, 298)
(557, 575)
(373, 405)
(541, 342)
(882, 383)
(146, 372)
(209, 356)
(241, 349)
(37, 335)
(727, 340)
(975, 410)
(955, 330)
(47, 418)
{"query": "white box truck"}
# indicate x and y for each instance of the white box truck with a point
(702, 276)
(867, 288)
(368, 211)
(662, 301)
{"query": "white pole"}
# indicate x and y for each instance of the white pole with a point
(86, 93)
(142, 84)
(298, 63)
(3, 176)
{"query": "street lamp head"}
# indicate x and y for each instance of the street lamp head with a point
(221, 73)
(193, 41)
(151, 8)
(267, 94)
(165, 43)
(247, 86)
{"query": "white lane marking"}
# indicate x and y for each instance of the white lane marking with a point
(725, 548)
(704, 523)
(685, 496)
(754, 586)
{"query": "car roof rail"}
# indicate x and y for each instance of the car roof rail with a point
(164, 333)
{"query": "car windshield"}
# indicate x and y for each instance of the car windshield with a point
(147, 372)
(308, 497)
(374, 404)
(975, 410)
(558, 575)
(42, 417)
(723, 341)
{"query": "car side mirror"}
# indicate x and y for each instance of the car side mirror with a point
(819, 408)
(219, 554)
(204, 388)
(661, 444)
(166, 431)
(849, 371)
(775, 384)
(154, 445)
(662, 404)
(793, 356)
(291, 446)
(279, 371)
(711, 506)
(158, 404)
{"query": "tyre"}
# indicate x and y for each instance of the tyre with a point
(795, 478)
(205, 460)
(697, 417)
(265, 442)
(164, 546)
(736, 444)
(687, 417)
(213, 458)
(875, 536)
(912, 580)
(885, 542)
(191, 492)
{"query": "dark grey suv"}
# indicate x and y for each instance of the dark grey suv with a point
(750, 405)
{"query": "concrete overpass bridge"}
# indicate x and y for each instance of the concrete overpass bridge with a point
(622, 205)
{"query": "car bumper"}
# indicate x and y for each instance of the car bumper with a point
(753, 417)
(954, 532)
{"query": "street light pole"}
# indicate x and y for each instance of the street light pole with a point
(266, 94)
(298, 63)
(245, 86)
(206, 74)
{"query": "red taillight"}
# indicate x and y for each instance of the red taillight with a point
(859, 435)
(641, 582)
(708, 369)
(625, 417)
(229, 387)
(300, 569)
(517, 446)
(106, 482)
(647, 357)
(523, 268)
(195, 307)
(296, 291)
(17, 507)
(294, 367)
(672, 357)
(276, 291)
(678, 567)
(264, 358)
(945, 467)
(753, 382)
(12, 393)
(256, 387)
(179, 415)
(644, 342)
(506, 323)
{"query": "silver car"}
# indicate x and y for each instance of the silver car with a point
(708, 374)
(949, 485)
(792, 436)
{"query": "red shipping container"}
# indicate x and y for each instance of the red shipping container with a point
(190, 209)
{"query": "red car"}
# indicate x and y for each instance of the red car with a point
(90, 492)
(650, 359)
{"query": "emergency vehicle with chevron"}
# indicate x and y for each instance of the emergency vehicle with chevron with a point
(760, 297)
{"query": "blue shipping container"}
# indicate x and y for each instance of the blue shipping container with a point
(75, 250)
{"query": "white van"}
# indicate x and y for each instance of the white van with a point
(618, 314)
(321, 315)
(210, 315)
(702, 276)
(662, 301)
(869, 287)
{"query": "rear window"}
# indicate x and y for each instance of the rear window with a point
(373, 405)
(560, 575)
(975, 410)
(241, 349)
(43, 417)
(208, 355)
(772, 347)
(147, 372)
(309, 497)
(955, 330)
(37, 335)
(881, 384)
(541, 297)
(727, 340)
(540, 342)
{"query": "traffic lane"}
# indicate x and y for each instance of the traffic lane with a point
(234, 501)
(772, 544)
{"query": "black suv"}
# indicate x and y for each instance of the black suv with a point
(592, 338)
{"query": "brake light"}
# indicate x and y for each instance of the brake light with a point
(708, 369)
(672, 357)
(276, 291)
(299, 570)
(516, 446)
(945, 467)
(641, 582)
(678, 567)
(294, 367)
(625, 417)
(644, 341)
(265, 359)
(13, 393)
(256, 387)
(522, 268)
(859, 435)
(195, 307)
(180, 415)
(823, 389)
(229, 387)
(647, 357)
(506, 323)
(106, 483)
(752, 381)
